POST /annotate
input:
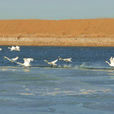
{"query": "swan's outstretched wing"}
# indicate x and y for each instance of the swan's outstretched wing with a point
(54, 61)
(111, 59)
(9, 59)
(15, 59)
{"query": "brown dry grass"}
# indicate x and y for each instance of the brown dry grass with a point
(58, 32)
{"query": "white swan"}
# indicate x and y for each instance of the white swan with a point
(111, 62)
(26, 61)
(52, 63)
(14, 48)
(65, 59)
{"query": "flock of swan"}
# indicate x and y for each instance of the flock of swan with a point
(27, 61)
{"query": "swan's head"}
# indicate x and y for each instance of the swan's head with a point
(5, 57)
(46, 61)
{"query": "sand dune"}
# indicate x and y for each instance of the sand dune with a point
(79, 32)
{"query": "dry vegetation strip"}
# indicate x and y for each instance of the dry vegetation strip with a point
(83, 32)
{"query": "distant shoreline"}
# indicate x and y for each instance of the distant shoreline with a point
(74, 32)
(84, 42)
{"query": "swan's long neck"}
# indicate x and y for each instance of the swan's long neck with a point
(46, 61)
(107, 62)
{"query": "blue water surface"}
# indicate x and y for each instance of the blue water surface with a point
(84, 86)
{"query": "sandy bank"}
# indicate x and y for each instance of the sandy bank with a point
(58, 41)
